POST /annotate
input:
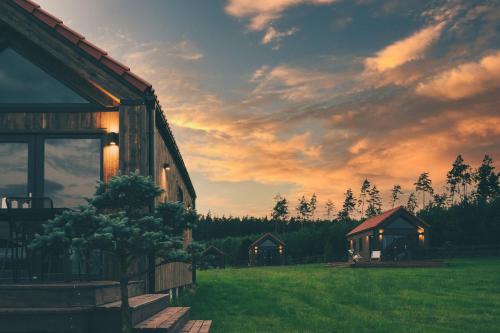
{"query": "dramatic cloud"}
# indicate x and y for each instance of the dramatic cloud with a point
(262, 12)
(465, 80)
(274, 36)
(405, 50)
(293, 84)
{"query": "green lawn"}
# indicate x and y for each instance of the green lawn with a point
(464, 297)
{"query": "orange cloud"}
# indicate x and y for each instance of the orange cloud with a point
(405, 50)
(262, 12)
(465, 80)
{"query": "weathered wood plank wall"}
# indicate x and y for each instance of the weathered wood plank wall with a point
(172, 275)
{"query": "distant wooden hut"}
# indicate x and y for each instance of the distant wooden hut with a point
(268, 250)
(214, 257)
(396, 233)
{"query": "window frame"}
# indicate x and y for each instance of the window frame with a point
(36, 154)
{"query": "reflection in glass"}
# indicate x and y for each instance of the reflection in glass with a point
(23, 82)
(72, 168)
(13, 170)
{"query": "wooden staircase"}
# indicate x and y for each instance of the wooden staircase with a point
(90, 309)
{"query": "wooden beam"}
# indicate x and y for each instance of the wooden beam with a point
(134, 147)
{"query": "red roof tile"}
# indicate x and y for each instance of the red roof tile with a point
(71, 35)
(87, 47)
(46, 17)
(374, 221)
(27, 5)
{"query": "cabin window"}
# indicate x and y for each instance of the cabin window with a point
(23, 82)
(13, 170)
(72, 167)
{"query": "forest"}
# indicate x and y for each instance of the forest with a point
(465, 213)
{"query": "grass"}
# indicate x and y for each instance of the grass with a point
(464, 297)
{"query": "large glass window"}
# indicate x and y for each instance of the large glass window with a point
(23, 82)
(72, 168)
(13, 170)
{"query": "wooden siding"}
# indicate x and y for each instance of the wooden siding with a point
(173, 275)
(134, 139)
(169, 180)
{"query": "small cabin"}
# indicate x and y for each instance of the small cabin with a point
(213, 257)
(396, 233)
(268, 250)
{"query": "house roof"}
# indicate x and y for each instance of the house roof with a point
(375, 221)
(267, 235)
(215, 249)
(112, 65)
(79, 41)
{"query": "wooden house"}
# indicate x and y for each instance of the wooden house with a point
(396, 233)
(71, 115)
(268, 250)
(213, 257)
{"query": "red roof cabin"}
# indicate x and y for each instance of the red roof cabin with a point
(396, 233)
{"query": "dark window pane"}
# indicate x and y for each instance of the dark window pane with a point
(72, 168)
(13, 170)
(23, 82)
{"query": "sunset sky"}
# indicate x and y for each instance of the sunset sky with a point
(303, 96)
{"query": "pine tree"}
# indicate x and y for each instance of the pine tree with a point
(348, 206)
(302, 209)
(329, 208)
(395, 193)
(312, 206)
(424, 185)
(374, 202)
(280, 209)
(459, 175)
(412, 203)
(365, 187)
(487, 180)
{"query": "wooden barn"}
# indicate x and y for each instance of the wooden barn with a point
(393, 235)
(214, 257)
(71, 115)
(268, 250)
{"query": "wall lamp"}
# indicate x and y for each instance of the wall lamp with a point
(112, 139)
(166, 166)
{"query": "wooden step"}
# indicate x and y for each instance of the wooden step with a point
(170, 320)
(70, 294)
(106, 317)
(197, 326)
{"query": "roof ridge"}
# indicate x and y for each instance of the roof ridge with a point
(88, 48)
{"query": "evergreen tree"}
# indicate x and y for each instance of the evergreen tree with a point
(395, 193)
(374, 202)
(412, 203)
(487, 180)
(280, 209)
(365, 187)
(348, 206)
(424, 185)
(312, 206)
(459, 175)
(119, 221)
(329, 208)
(302, 209)
(439, 200)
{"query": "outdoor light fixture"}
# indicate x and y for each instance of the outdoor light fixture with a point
(256, 250)
(166, 166)
(112, 139)
(280, 249)
(381, 231)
